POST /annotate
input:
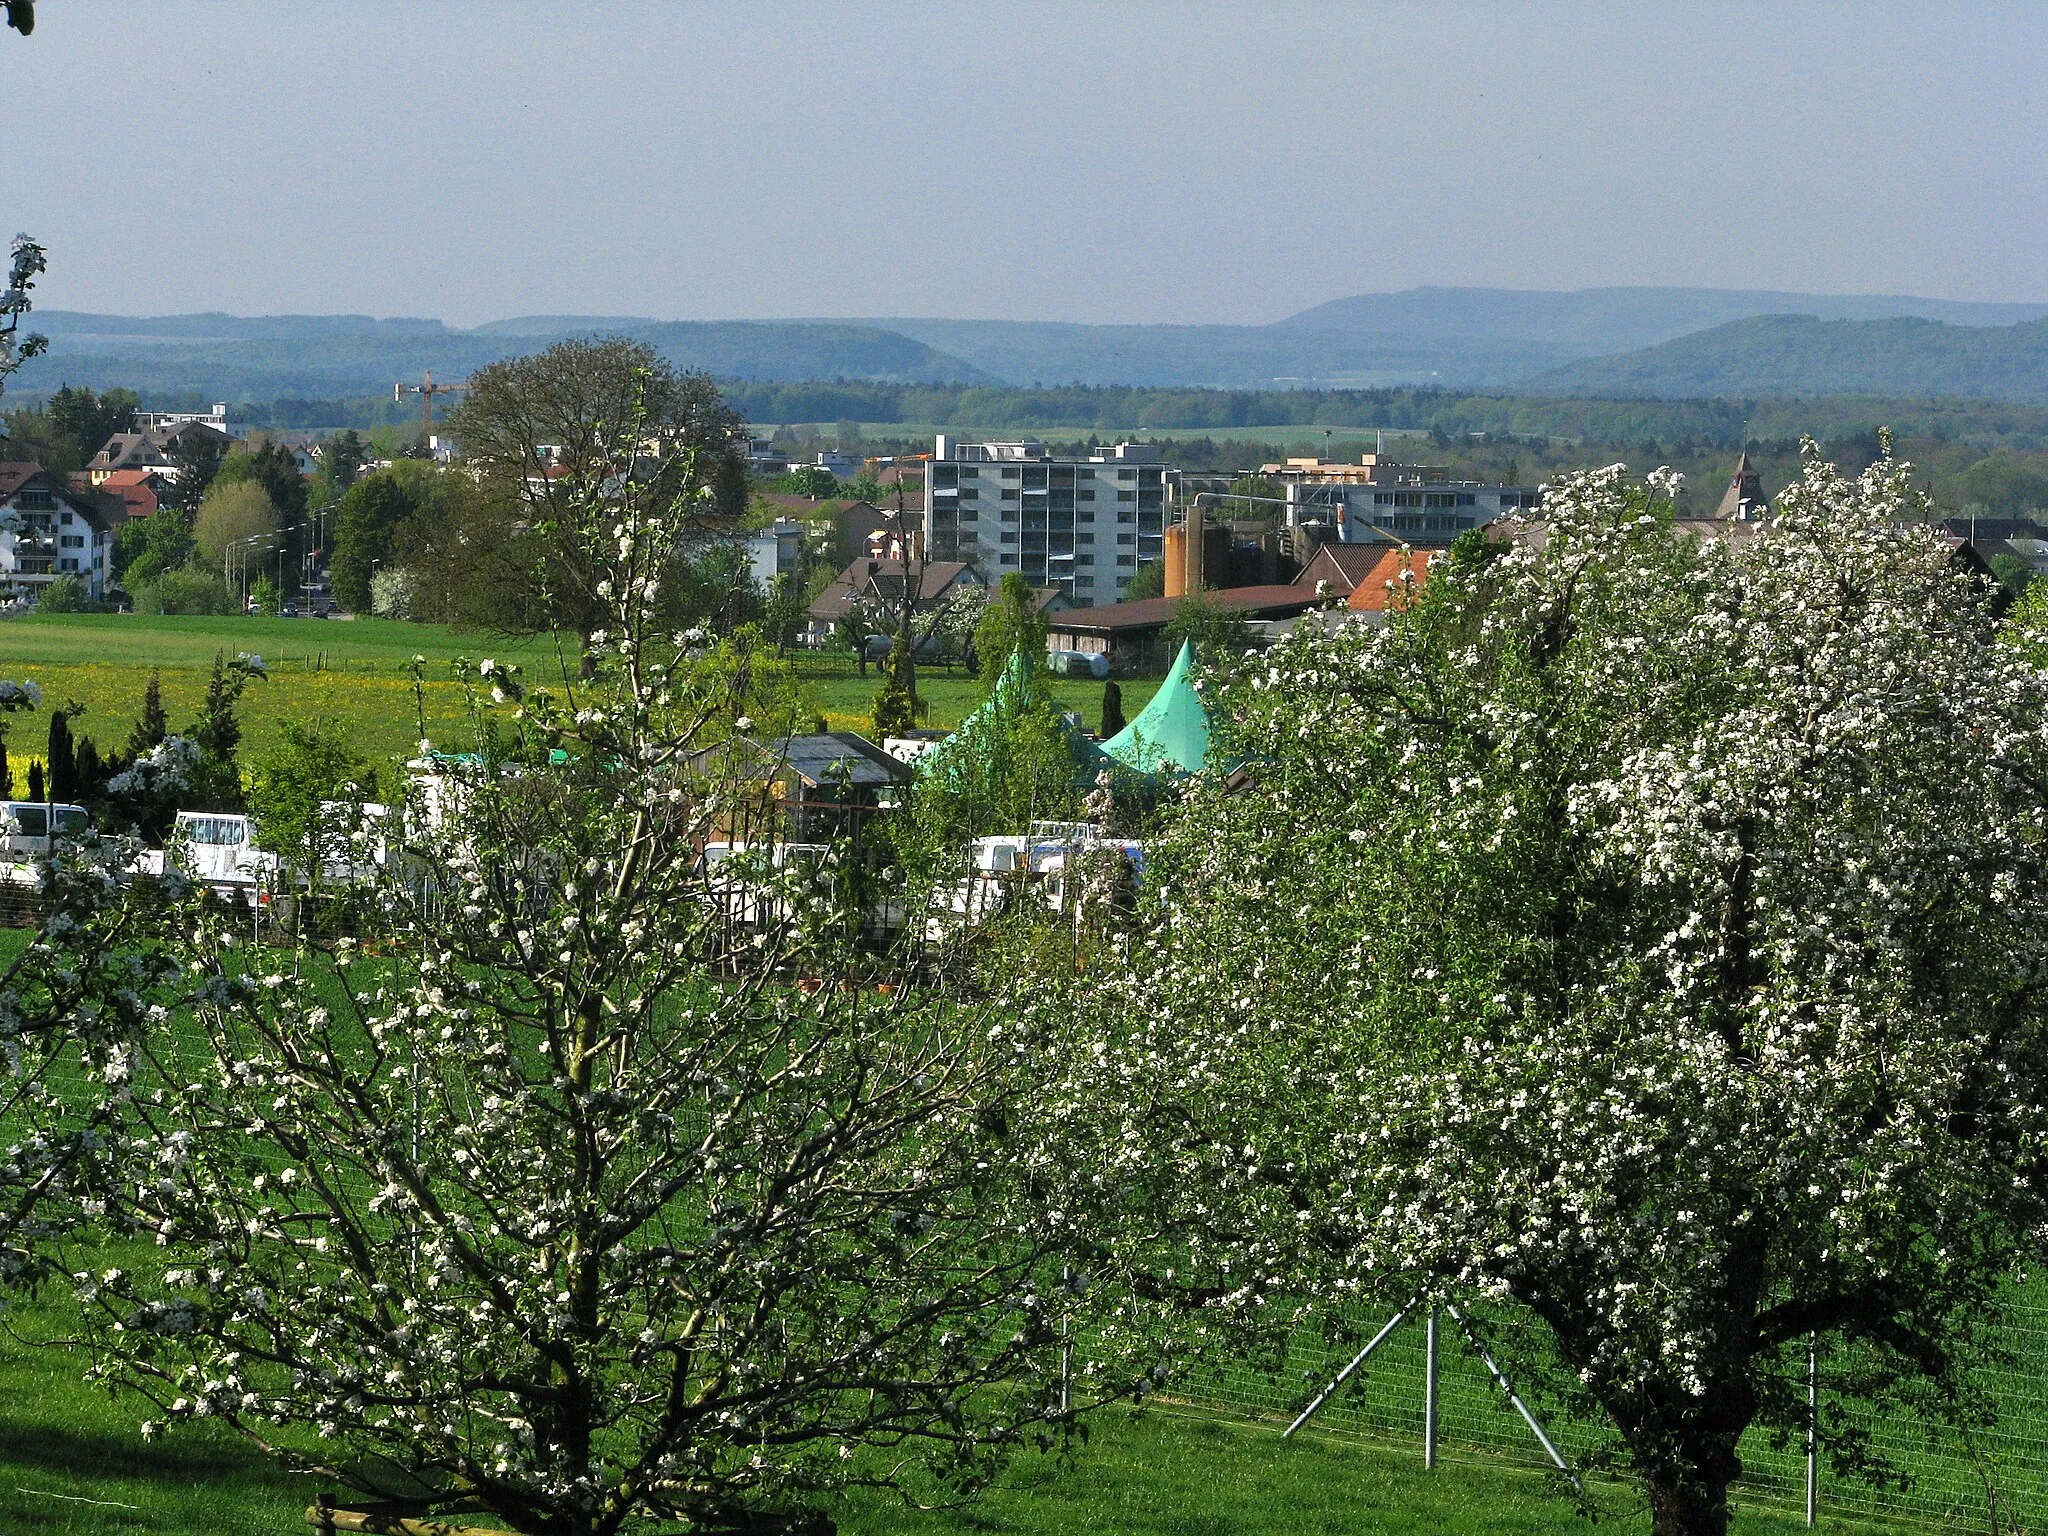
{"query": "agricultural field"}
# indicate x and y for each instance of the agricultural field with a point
(359, 672)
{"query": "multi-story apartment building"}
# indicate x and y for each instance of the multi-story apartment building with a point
(47, 531)
(1379, 501)
(1082, 527)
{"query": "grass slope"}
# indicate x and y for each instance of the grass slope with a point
(357, 672)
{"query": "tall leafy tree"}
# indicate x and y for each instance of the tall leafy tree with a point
(585, 430)
(365, 519)
(1010, 623)
(1663, 925)
(274, 469)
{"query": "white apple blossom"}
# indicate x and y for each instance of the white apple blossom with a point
(1688, 992)
(560, 1198)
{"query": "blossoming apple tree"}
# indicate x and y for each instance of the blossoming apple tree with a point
(561, 1196)
(1648, 930)
(75, 997)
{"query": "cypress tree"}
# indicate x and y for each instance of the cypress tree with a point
(896, 705)
(63, 767)
(1112, 710)
(6, 771)
(35, 782)
(153, 727)
(89, 774)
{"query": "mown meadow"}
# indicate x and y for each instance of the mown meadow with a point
(359, 672)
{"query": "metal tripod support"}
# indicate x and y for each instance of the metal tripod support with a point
(1429, 1387)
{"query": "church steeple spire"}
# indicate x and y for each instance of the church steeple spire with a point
(1744, 497)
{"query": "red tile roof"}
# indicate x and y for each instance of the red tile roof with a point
(1383, 587)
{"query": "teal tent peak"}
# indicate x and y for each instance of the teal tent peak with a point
(1171, 732)
(1015, 691)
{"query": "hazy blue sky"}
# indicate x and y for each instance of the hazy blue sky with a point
(1099, 161)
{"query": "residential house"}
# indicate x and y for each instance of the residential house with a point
(48, 530)
(1342, 566)
(879, 584)
(138, 491)
(777, 550)
(1395, 580)
(151, 448)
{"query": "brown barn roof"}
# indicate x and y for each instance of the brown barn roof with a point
(1157, 612)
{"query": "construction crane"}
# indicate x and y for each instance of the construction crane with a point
(426, 390)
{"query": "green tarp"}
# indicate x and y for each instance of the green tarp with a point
(1171, 733)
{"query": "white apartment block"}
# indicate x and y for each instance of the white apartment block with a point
(1080, 526)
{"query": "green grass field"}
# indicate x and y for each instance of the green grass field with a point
(72, 1464)
(356, 672)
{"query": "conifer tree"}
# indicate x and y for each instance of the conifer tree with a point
(35, 781)
(1112, 710)
(153, 727)
(63, 770)
(896, 705)
(217, 781)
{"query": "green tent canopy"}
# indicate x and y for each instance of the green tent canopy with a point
(1014, 693)
(1171, 733)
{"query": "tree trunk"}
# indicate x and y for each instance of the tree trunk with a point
(1693, 1500)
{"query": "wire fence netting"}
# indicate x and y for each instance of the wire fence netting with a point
(1991, 1476)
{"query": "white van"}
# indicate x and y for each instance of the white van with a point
(25, 828)
(220, 850)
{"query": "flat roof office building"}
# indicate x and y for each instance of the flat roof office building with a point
(1378, 501)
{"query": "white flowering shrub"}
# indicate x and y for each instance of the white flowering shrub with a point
(1647, 931)
(75, 999)
(545, 1200)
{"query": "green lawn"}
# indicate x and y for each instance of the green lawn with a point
(356, 671)
(71, 1463)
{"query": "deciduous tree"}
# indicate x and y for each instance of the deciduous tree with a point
(563, 1205)
(559, 437)
(1644, 931)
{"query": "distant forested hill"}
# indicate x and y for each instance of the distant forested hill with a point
(225, 357)
(1803, 355)
(1590, 321)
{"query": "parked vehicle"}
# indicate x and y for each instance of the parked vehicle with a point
(220, 850)
(26, 828)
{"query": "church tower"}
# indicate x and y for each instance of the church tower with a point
(1744, 498)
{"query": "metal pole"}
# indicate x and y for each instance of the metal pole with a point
(1812, 1429)
(1515, 1400)
(1429, 1393)
(1345, 1375)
